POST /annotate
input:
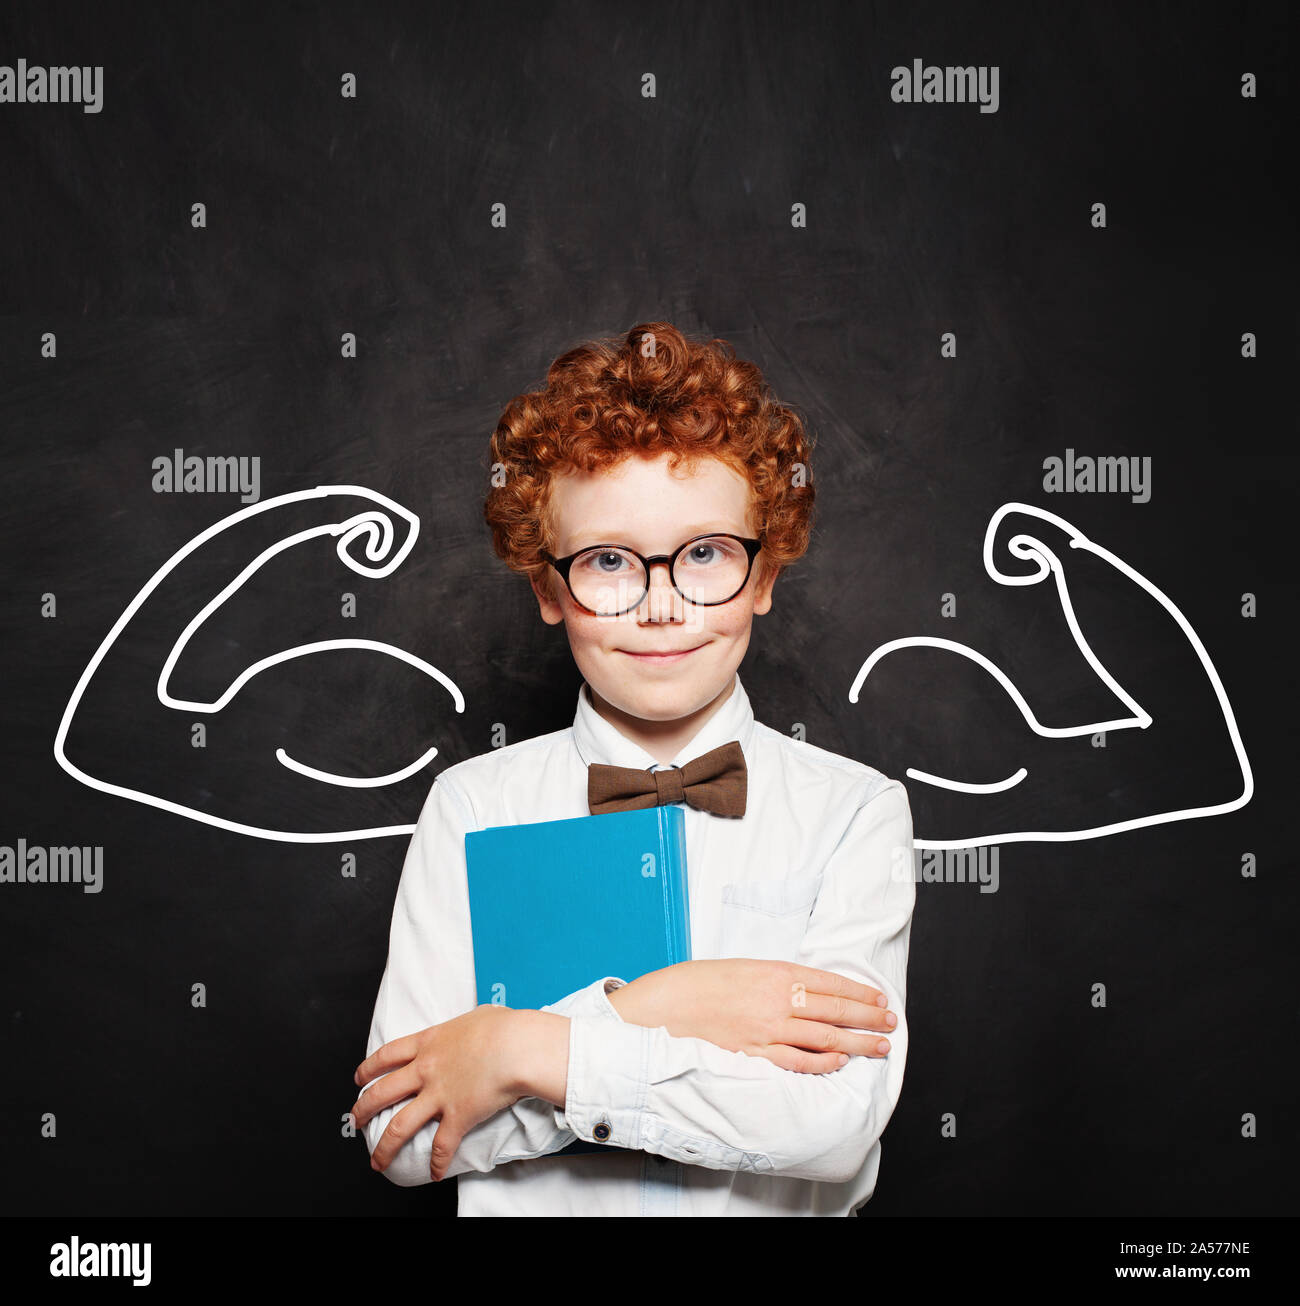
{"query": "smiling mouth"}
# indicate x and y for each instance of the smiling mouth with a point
(671, 656)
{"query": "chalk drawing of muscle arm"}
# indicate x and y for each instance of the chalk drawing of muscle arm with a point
(1030, 549)
(370, 533)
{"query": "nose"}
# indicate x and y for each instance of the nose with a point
(662, 603)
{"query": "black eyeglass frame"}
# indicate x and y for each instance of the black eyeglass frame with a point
(562, 565)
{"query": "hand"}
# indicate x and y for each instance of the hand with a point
(796, 1016)
(459, 1072)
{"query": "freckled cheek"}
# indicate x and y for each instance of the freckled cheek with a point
(600, 633)
(735, 618)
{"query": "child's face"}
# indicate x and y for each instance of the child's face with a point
(641, 505)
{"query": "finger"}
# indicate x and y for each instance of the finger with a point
(829, 981)
(821, 1038)
(445, 1143)
(839, 1010)
(384, 1092)
(793, 1058)
(389, 1057)
(402, 1128)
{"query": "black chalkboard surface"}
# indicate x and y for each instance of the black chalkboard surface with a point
(255, 333)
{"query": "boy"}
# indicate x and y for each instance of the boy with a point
(652, 492)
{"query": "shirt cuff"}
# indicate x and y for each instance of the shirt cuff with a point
(606, 1094)
(593, 1002)
(590, 1001)
(614, 1096)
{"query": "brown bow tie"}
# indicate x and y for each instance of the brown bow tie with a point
(713, 782)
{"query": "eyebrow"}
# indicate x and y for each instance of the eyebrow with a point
(589, 538)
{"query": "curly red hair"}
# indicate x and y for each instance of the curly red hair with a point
(650, 392)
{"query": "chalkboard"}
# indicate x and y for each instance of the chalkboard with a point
(263, 304)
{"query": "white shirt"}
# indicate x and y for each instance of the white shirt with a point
(808, 874)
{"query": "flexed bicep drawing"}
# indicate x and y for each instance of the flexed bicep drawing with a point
(1047, 566)
(375, 542)
(372, 543)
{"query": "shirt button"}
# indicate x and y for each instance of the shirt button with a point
(601, 1132)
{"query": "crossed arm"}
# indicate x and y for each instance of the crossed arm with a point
(728, 1063)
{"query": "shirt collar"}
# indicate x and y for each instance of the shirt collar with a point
(600, 741)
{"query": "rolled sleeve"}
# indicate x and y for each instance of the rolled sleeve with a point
(693, 1102)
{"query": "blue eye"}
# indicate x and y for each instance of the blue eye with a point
(712, 553)
(604, 562)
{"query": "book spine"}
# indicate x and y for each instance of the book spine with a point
(667, 880)
(673, 828)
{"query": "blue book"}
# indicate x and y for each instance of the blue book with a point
(554, 905)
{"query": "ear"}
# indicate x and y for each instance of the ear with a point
(763, 587)
(552, 613)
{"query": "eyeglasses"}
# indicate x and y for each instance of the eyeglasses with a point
(608, 580)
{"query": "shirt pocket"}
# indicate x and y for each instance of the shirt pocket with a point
(766, 918)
